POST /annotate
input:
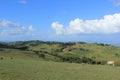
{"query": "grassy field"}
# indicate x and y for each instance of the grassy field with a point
(29, 67)
(35, 60)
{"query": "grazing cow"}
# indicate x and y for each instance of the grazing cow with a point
(111, 63)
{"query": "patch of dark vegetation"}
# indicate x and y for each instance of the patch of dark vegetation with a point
(5, 45)
(117, 54)
(22, 48)
(101, 44)
(85, 60)
(11, 58)
(41, 55)
(1, 58)
(84, 49)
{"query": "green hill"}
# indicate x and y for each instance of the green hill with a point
(38, 60)
(73, 52)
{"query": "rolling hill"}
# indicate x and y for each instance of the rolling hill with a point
(38, 60)
(73, 52)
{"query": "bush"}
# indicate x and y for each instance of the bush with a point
(11, 58)
(103, 62)
(42, 55)
(1, 58)
(86, 60)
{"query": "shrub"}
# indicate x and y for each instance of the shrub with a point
(11, 58)
(1, 58)
(42, 55)
(103, 62)
(86, 60)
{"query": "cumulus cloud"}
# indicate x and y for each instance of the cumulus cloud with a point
(58, 27)
(8, 28)
(23, 1)
(107, 25)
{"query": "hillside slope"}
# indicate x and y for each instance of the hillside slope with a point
(76, 52)
(33, 60)
(32, 69)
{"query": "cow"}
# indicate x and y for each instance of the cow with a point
(111, 63)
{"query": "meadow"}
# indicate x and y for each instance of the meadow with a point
(35, 60)
(30, 67)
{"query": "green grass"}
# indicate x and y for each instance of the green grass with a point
(24, 67)
(18, 54)
(27, 65)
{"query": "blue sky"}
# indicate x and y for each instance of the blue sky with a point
(60, 20)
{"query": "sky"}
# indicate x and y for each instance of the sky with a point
(60, 20)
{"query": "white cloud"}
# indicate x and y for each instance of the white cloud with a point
(58, 27)
(117, 2)
(23, 1)
(31, 28)
(8, 28)
(109, 24)
(5, 23)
